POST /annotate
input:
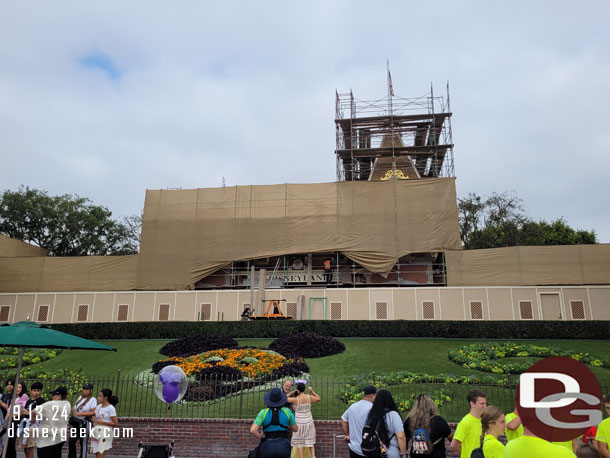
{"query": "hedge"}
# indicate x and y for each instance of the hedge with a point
(598, 330)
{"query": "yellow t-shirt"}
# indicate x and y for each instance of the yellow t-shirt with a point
(603, 431)
(492, 447)
(510, 435)
(530, 447)
(468, 432)
(566, 444)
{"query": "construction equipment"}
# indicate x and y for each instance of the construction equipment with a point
(273, 311)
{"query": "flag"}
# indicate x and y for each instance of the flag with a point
(390, 83)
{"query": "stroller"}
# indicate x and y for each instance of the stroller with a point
(156, 451)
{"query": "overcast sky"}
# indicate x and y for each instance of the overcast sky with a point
(106, 99)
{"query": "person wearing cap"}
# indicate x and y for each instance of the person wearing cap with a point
(272, 425)
(52, 418)
(353, 419)
(84, 409)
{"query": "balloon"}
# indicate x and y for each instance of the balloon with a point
(170, 384)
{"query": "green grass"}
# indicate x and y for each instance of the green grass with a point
(361, 355)
(131, 357)
(328, 374)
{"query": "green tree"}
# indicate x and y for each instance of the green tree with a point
(66, 225)
(500, 221)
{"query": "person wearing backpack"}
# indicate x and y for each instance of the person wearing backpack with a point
(352, 420)
(493, 424)
(383, 434)
(426, 429)
(272, 424)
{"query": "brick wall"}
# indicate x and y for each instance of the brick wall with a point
(214, 437)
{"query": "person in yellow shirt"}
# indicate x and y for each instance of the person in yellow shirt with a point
(570, 445)
(529, 446)
(603, 431)
(467, 435)
(493, 423)
(514, 428)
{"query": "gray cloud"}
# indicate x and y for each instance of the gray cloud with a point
(246, 91)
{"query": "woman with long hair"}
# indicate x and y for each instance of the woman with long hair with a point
(305, 437)
(493, 424)
(83, 410)
(20, 400)
(424, 415)
(390, 429)
(104, 422)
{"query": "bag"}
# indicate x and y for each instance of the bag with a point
(422, 442)
(477, 453)
(4, 426)
(76, 422)
(371, 445)
(255, 453)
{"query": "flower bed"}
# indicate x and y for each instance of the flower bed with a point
(30, 356)
(251, 362)
(487, 357)
(353, 389)
(198, 343)
(216, 374)
(307, 345)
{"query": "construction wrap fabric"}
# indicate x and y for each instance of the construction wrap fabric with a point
(10, 248)
(189, 234)
(530, 265)
(78, 273)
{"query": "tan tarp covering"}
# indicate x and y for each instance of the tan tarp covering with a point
(11, 248)
(189, 234)
(86, 273)
(530, 265)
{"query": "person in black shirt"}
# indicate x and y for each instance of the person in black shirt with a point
(26, 439)
(6, 397)
(424, 414)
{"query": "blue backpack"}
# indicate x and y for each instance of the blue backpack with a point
(422, 443)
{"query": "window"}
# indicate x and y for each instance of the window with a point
(206, 312)
(163, 312)
(428, 310)
(4, 312)
(83, 311)
(335, 310)
(525, 310)
(291, 309)
(123, 312)
(476, 310)
(381, 310)
(43, 313)
(578, 310)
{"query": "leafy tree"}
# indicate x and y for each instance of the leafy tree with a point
(66, 225)
(500, 221)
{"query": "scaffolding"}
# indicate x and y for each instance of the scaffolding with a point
(309, 271)
(393, 137)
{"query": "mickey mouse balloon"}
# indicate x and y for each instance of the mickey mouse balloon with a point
(170, 384)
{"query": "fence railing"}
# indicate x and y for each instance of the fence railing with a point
(225, 396)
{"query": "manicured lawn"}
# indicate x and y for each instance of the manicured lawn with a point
(361, 355)
(131, 357)
(329, 374)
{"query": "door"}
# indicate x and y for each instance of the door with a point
(551, 306)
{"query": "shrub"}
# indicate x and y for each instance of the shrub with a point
(156, 367)
(219, 372)
(534, 329)
(307, 345)
(198, 343)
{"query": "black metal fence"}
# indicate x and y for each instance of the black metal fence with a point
(228, 397)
